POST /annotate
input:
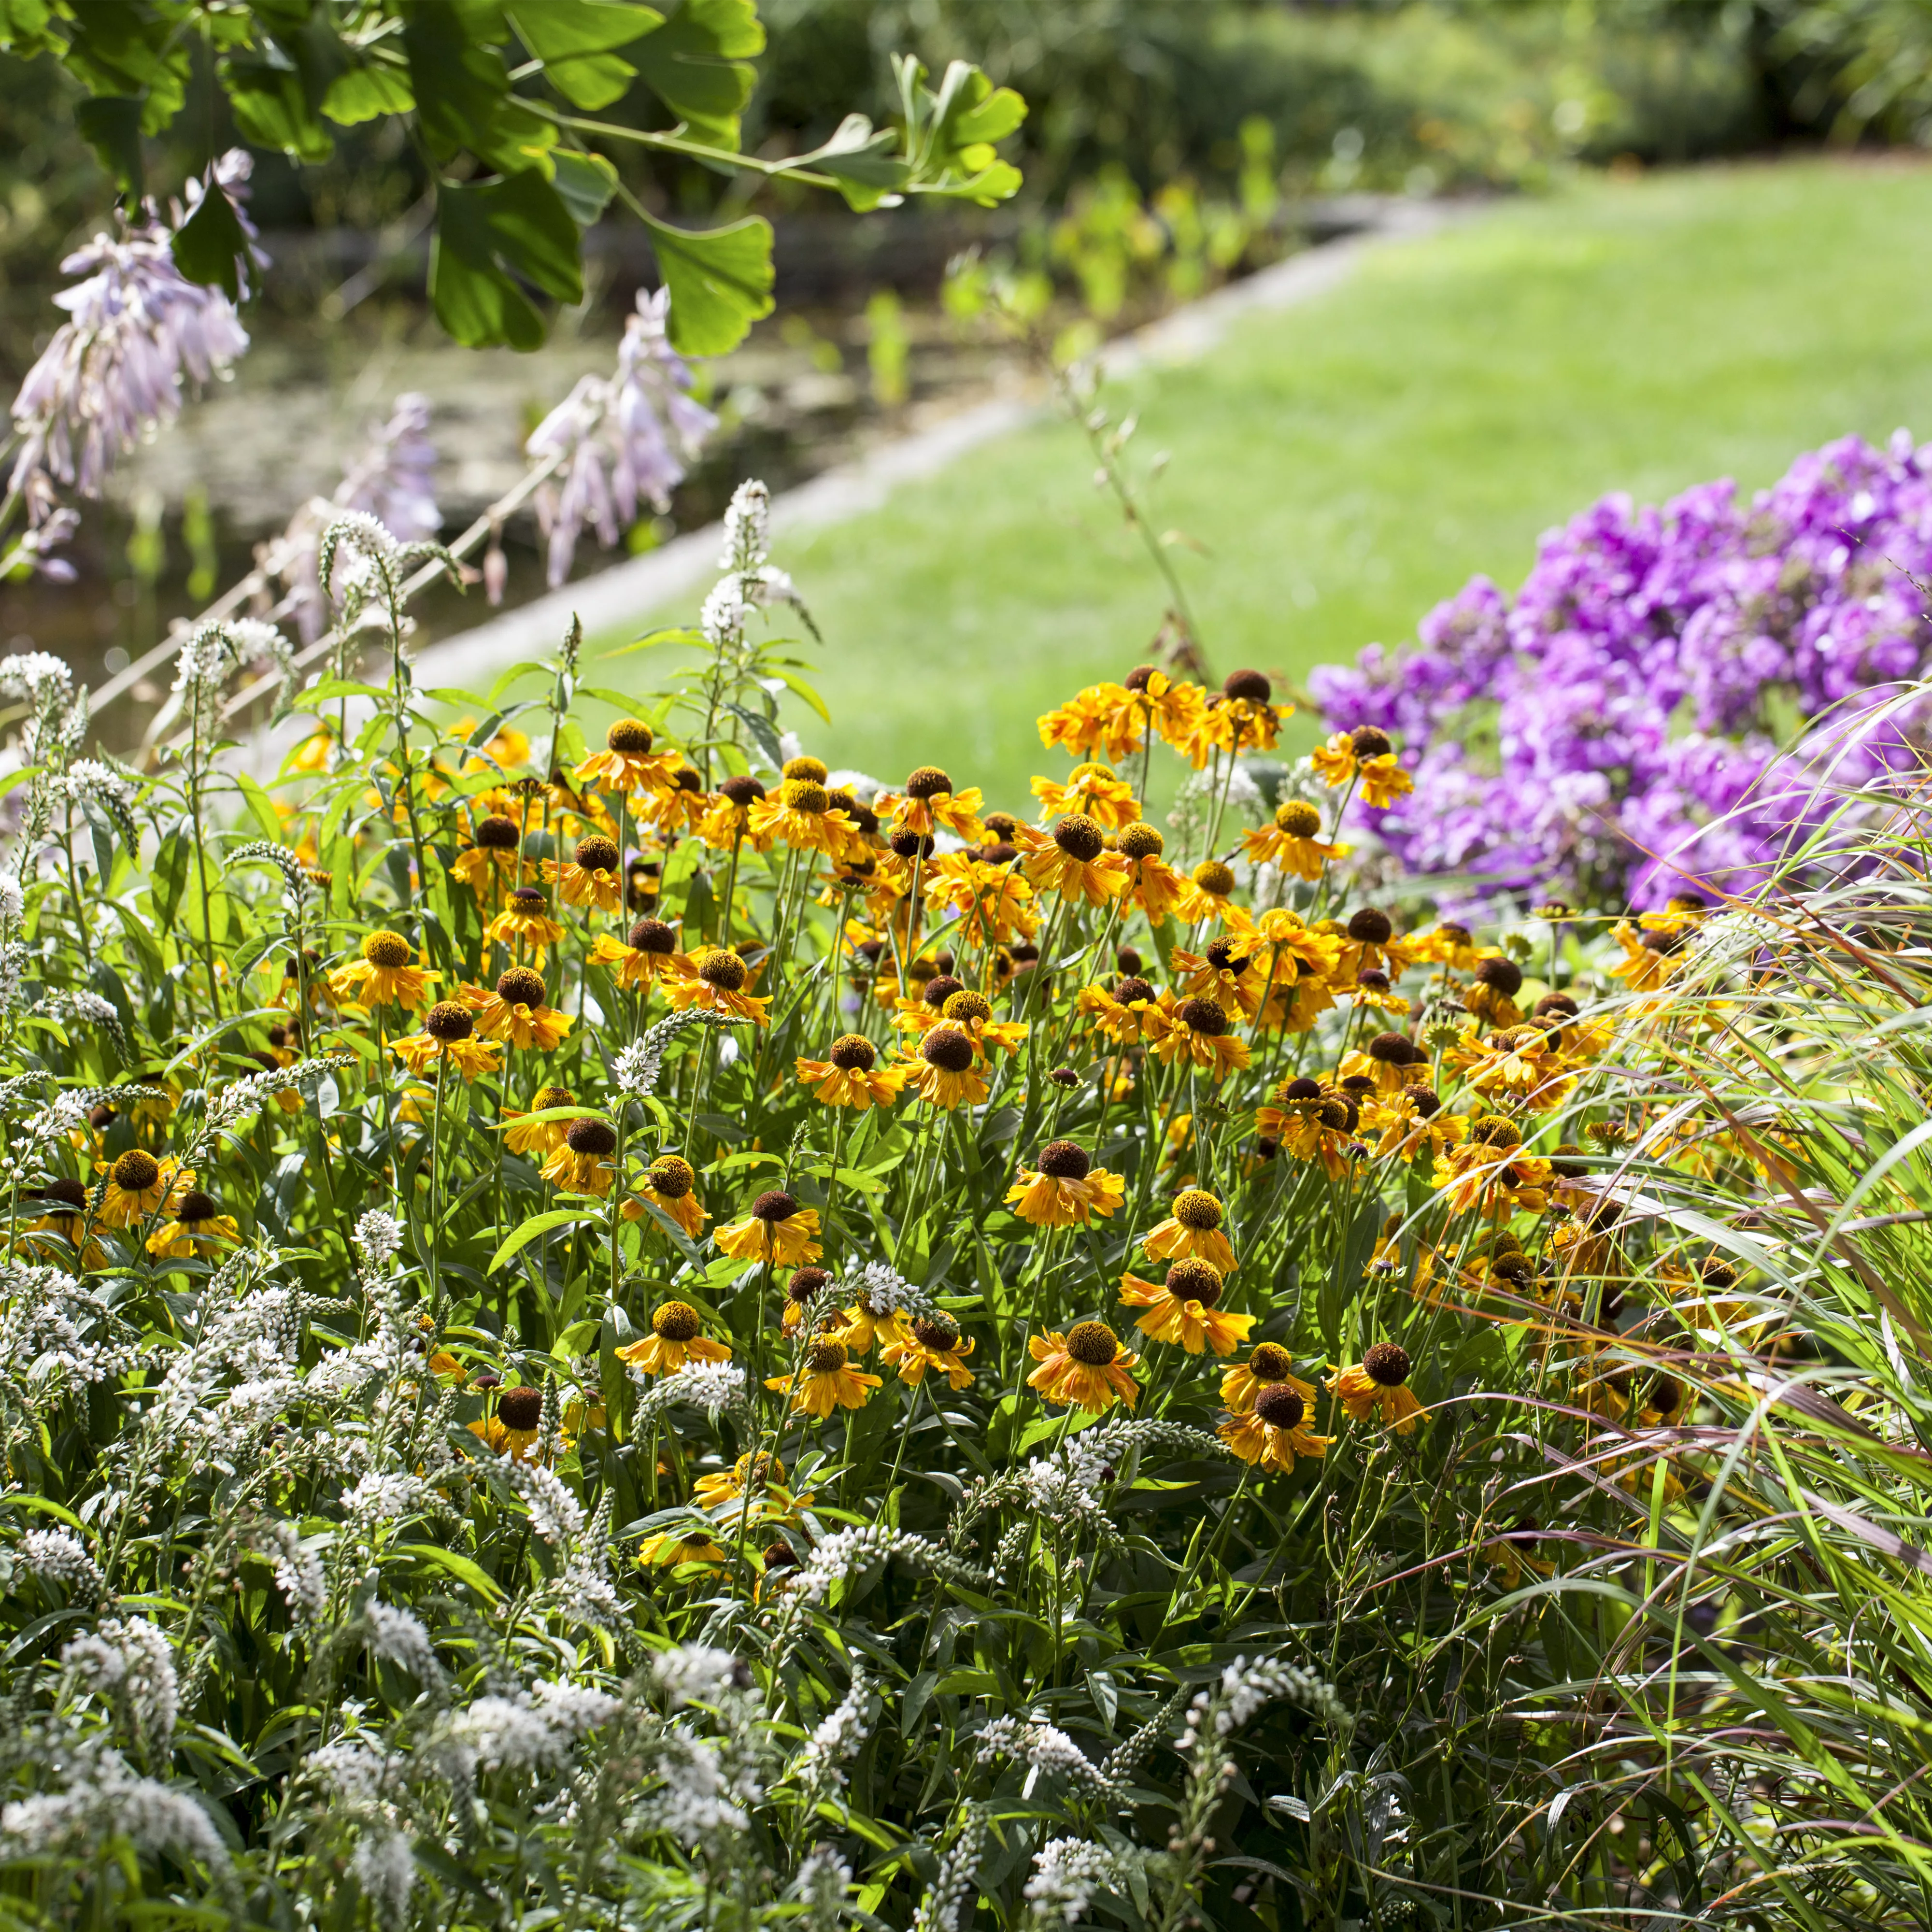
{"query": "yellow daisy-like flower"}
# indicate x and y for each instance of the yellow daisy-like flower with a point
(646, 954)
(764, 1475)
(1182, 1309)
(675, 1340)
(727, 821)
(446, 1040)
(1334, 760)
(1208, 893)
(1525, 1065)
(1066, 1189)
(1452, 946)
(1193, 1229)
(948, 1071)
(1290, 845)
(1091, 721)
(802, 813)
(1411, 1123)
(514, 1430)
(777, 1231)
(1084, 1369)
(1226, 972)
(1238, 718)
(851, 1076)
(1488, 1173)
(931, 1342)
(716, 984)
(137, 1184)
(583, 1165)
(1274, 1432)
(546, 1136)
(63, 1220)
(1307, 1123)
(859, 1327)
(1074, 861)
(1271, 1366)
(670, 1183)
(672, 1549)
(386, 975)
(826, 1381)
(591, 877)
(677, 804)
(493, 859)
(1651, 959)
(1153, 884)
(525, 923)
(627, 763)
(1377, 1388)
(1130, 1012)
(1383, 781)
(929, 805)
(1199, 1034)
(198, 1227)
(1093, 789)
(517, 1012)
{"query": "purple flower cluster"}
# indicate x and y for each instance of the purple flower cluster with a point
(1614, 735)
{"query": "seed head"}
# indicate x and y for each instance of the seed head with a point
(1092, 1343)
(1195, 1208)
(1368, 743)
(1252, 684)
(1211, 876)
(1080, 837)
(807, 1282)
(1495, 1130)
(725, 971)
(774, 1205)
(497, 834)
(1141, 841)
(1191, 1280)
(670, 1175)
(1392, 1049)
(812, 769)
(965, 1005)
(597, 1138)
(854, 1052)
(388, 949)
(653, 935)
(546, 1097)
(939, 1333)
(928, 781)
(449, 1022)
(1297, 818)
(947, 1048)
(1271, 1362)
(521, 1408)
(520, 987)
(1131, 988)
(598, 853)
(909, 844)
(1204, 1016)
(1371, 926)
(631, 736)
(825, 1357)
(1279, 1406)
(742, 789)
(804, 795)
(1065, 1160)
(1387, 1364)
(1500, 976)
(676, 1322)
(939, 988)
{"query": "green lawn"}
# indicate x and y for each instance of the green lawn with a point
(1345, 464)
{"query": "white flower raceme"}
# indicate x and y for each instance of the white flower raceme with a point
(385, 1866)
(59, 1556)
(1045, 1747)
(533, 1732)
(556, 1515)
(698, 1673)
(378, 1238)
(1066, 1873)
(400, 1636)
(103, 1800)
(130, 1662)
(839, 1735)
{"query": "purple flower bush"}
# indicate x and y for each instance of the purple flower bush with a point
(1621, 730)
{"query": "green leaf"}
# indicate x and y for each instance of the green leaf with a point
(694, 63)
(367, 93)
(576, 40)
(261, 808)
(23, 27)
(461, 84)
(276, 90)
(111, 125)
(720, 280)
(464, 1568)
(585, 182)
(209, 246)
(483, 235)
(763, 733)
(805, 691)
(541, 1224)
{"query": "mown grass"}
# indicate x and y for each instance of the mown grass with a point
(1344, 465)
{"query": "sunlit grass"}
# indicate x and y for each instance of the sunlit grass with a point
(1343, 466)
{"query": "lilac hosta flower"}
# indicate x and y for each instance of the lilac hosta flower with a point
(136, 327)
(1613, 732)
(623, 438)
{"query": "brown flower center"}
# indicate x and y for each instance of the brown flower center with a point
(449, 1022)
(597, 853)
(69, 1193)
(1092, 1344)
(388, 950)
(1387, 1365)
(631, 736)
(1064, 1160)
(928, 781)
(1368, 743)
(825, 1358)
(1191, 1280)
(546, 1097)
(939, 988)
(597, 1138)
(520, 987)
(947, 1048)
(854, 1052)
(1141, 841)
(725, 971)
(136, 1171)
(1392, 1049)
(1131, 988)
(807, 1282)
(1195, 1208)
(1252, 684)
(939, 1333)
(1501, 976)
(809, 768)
(1279, 1406)
(497, 834)
(676, 1322)
(742, 789)
(671, 1175)
(1494, 1130)
(967, 1005)
(1080, 837)
(1271, 1362)
(774, 1206)
(196, 1206)
(1371, 926)
(806, 795)
(1204, 1016)
(530, 901)
(653, 935)
(520, 1408)
(1211, 876)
